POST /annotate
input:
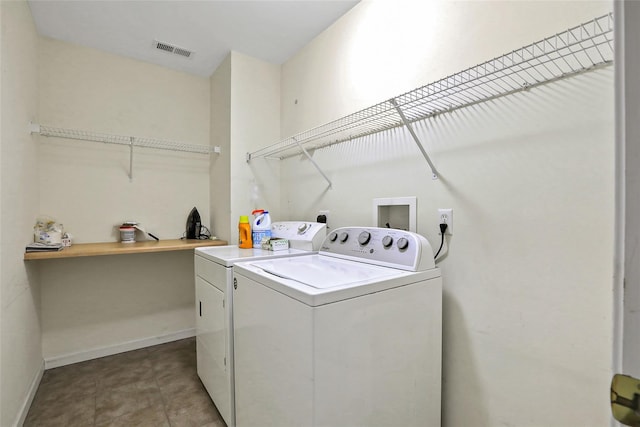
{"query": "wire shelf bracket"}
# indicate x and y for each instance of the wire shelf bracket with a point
(130, 141)
(583, 48)
(308, 156)
(407, 124)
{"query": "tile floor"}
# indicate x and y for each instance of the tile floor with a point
(153, 386)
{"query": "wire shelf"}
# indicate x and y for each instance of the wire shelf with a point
(135, 141)
(130, 141)
(579, 49)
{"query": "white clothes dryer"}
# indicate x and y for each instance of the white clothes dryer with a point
(214, 305)
(351, 336)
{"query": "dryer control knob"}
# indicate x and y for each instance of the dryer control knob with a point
(302, 228)
(333, 236)
(344, 236)
(403, 243)
(364, 238)
(387, 241)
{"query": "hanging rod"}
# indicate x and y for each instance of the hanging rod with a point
(579, 49)
(131, 141)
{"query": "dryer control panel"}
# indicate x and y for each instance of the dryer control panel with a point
(381, 246)
(307, 236)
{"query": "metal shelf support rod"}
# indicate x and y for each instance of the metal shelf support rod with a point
(306, 153)
(434, 172)
(131, 159)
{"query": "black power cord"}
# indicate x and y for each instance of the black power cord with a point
(443, 228)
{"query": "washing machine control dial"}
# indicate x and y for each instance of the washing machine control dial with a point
(387, 241)
(302, 228)
(364, 238)
(333, 236)
(403, 243)
(344, 236)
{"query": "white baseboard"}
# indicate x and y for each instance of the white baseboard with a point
(33, 388)
(68, 359)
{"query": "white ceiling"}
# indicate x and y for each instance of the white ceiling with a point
(269, 30)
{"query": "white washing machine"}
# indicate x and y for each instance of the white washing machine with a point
(214, 305)
(351, 336)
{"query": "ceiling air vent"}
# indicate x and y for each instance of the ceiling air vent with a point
(170, 48)
(183, 52)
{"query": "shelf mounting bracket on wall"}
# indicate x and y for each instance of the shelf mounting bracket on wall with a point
(306, 153)
(434, 172)
(131, 159)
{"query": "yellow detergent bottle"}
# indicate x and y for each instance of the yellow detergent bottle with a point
(244, 233)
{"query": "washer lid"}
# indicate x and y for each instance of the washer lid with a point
(325, 272)
(317, 279)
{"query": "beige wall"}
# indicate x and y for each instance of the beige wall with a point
(20, 348)
(255, 118)
(85, 185)
(220, 198)
(528, 271)
(245, 114)
(96, 306)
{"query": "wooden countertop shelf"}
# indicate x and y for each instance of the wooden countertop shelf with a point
(117, 248)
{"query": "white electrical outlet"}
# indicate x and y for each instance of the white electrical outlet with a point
(445, 216)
